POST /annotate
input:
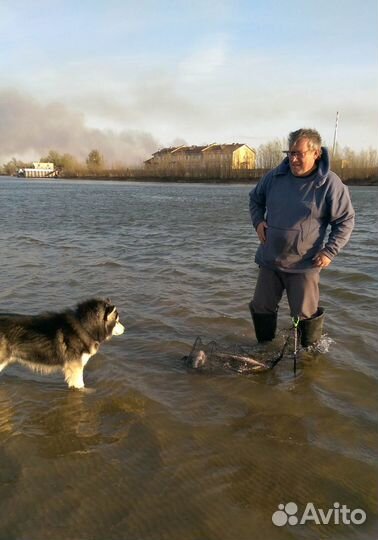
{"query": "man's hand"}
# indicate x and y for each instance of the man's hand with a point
(261, 231)
(321, 260)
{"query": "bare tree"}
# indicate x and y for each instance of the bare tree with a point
(270, 155)
(95, 160)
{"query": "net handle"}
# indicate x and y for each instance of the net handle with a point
(295, 326)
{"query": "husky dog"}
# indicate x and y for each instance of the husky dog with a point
(59, 341)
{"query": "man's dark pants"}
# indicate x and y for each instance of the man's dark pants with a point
(302, 291)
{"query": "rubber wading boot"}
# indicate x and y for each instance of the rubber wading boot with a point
(265, 325)
(311, 329)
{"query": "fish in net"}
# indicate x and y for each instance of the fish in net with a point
(244, 359)
(235, 358)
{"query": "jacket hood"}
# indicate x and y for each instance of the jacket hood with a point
(322, 170)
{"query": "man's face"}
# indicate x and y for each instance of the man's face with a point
(302, 160)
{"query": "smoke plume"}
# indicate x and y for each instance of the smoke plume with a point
(29, 129)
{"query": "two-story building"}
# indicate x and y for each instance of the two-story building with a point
(213, 159)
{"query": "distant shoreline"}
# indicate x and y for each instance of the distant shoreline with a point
(370, 181)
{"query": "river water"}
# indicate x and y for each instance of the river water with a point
(159, 451)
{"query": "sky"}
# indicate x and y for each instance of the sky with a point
(129, 77)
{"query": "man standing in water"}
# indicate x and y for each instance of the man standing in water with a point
(291, 208)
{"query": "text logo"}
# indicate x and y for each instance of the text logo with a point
(338, 514)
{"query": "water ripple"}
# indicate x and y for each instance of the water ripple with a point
(160, 451)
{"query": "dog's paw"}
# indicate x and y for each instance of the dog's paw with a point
(86, 390)
(82, 389)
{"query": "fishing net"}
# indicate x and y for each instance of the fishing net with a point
(248, 359)
(235, 358)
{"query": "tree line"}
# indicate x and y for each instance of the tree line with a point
(66, 164)
(346, 162)
(270, 155)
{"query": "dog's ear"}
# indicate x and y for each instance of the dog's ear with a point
(109, 311)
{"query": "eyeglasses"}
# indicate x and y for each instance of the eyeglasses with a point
(293, 154)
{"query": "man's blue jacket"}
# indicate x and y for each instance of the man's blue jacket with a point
(298, 211)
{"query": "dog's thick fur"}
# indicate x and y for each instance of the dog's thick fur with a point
(59, 341)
